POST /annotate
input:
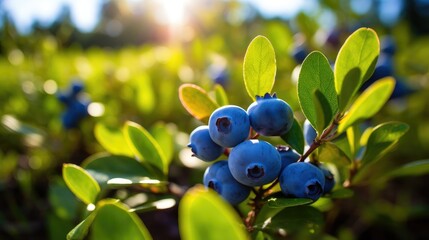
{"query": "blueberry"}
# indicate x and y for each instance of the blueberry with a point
(254, 163)
(299, 53)
(77, 107)
(287, 156)
(302, 180)
(203, 146)
(270, 116)
(229, 125)
(329, 179)
(309, 132)
(219, 178)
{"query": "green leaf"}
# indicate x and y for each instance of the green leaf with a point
(81, 230)
(341, 193)
(353, 136)
(279, 201)
(415, 168)
(81, 183)
(329, 152)
(114, 221)
(316, 83)
(355, 63)
(203, 214)
(104, 167)
(382, 139)
(165, 139)
(259, 67)
(221, 97)
(145, 146)
(306, 221)
(369, 103)
(113, 140)
(196, 101)
(295, 137)
(156, 205)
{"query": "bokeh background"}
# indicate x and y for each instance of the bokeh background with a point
(132, 55)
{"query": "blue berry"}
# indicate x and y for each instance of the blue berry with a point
(229, 125)
(287, 156)
(309, 132)
(329, 179)
(77, 106)
(270, 116)
(302, 180)
(254, 163)
(219, 178)
(203, 146)
(299, 53)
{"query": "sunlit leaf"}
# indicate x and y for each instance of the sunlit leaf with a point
(368, 103)
(81, 230)
(221, 97)
(114, 221)
(329, 152)
(111, 139)
(165, 139)
(259, 67)
(145, 146)
(355, 63)
(104, 167)
(295, 137)
(203, 214)
(196, 101)
(81, 183)
(316, 80)
(382, 139)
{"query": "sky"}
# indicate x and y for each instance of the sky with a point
(85, 13)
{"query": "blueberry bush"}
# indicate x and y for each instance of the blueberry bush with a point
(271, 171)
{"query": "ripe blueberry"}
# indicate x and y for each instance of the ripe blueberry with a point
(302, 180)
(287, 156)
(309, 132)
(218, 177)
(203, 146)
(270, 116)
(254, 163)
(229, 125)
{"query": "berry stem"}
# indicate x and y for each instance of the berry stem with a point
(327, 135)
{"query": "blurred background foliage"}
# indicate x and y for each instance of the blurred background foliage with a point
(131, 64)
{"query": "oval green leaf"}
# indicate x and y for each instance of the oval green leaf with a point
(355, 63)
(81, 230)
(295, 137)
(259, 67)
(382, 139)
(316, 80)
(145, 146)
(114, 221)
(196, 101)
(203, 214)
(81, 183)
(162, 134)
(221, 97)
(111, 139)
(341, 193)
(368, 103)
(283, 202)
(415, 168)
(306, 221)
(104, 167)
(329, 152)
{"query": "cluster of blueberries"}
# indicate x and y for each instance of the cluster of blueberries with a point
(76, 105)
(252, 162)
